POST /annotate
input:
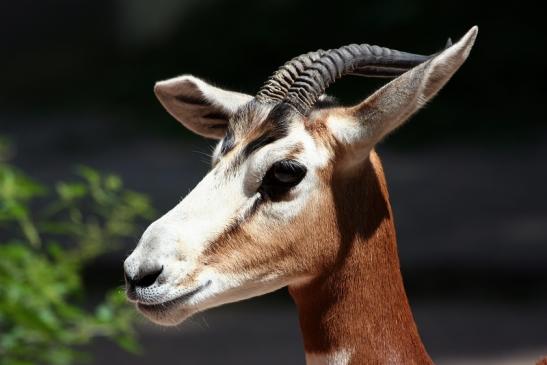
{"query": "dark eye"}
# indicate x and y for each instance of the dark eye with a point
(281, 177)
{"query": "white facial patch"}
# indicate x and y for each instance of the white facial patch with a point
(345, 129)
(229, 288)
(176, 242)
(310, 154)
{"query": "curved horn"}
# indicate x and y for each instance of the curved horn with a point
(362, 60)
(276, 87)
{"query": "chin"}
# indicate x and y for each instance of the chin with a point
(165, 316)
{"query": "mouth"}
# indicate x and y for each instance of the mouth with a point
(170, 304)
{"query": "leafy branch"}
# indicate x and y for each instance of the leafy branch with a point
(47, 237)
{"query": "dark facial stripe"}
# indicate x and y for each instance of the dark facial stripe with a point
(228, 142)
(274, 127)
(258, 143)
(277, 131)
(277, 127)
(266, 138)
(234, 228)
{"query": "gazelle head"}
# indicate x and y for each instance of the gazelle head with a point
(266, 216)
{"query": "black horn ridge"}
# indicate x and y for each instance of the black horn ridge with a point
(302, 80)
(275, 89)
(362, 60)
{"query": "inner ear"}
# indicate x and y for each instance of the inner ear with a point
(199, 106)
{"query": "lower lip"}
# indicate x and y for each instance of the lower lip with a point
(173, 302)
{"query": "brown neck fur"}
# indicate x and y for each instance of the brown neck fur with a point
(359, 305)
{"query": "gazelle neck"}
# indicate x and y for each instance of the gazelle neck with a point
(357, 312)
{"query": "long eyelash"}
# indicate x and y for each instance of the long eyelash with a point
(289, 164)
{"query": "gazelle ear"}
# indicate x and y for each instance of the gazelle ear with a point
(367, 123)
(202, 108)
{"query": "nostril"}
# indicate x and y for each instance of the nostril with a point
(144, 280)
(148, 279)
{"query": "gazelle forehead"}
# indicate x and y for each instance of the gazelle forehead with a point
(273, 137)
(298, 144)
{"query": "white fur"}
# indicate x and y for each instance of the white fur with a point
(340, 357)
(177, 240)
(345, 129)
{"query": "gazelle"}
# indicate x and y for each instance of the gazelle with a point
(296, 197)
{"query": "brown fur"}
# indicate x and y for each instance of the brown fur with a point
(359, 304)
(355, 300)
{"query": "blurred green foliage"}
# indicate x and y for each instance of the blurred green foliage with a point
(47, 236)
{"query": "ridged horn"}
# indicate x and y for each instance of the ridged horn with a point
(276, 87)
(362, 60)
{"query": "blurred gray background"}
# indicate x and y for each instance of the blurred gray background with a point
(467, 176)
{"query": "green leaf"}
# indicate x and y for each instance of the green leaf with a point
(71, 191)
(113, 183)
(104, 313)
(128, 343)
(42, 316)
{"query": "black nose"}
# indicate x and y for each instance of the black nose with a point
(144, 279)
